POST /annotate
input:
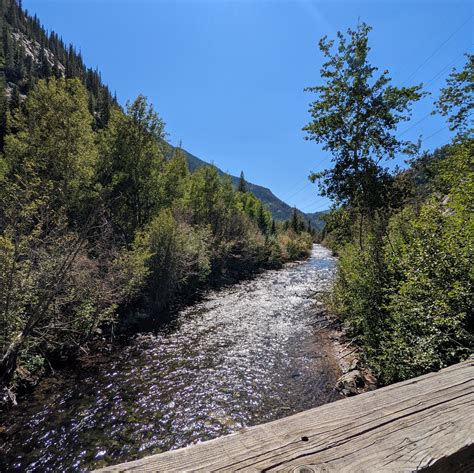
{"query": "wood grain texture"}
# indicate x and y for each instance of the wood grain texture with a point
(425, 423)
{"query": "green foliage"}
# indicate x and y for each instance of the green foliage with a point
(173, 180)
(360, 291)
(52, 149)
(54, 292)
(22, 35)
(131, 162)
(211, 199)
(407, 296)
(339, 228)
(295, 246)
(95, 220)
(456, 100)
(178, 256)
(355, 117)
(294, 224)
(431, 308)
(404, 286)
(242, 187)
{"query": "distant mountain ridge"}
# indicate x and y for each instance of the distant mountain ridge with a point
(279, 209)
(29, 53)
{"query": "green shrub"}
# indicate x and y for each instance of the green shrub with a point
(407, 294)
(179, 256)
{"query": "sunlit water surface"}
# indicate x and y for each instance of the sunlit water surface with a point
(244, 355)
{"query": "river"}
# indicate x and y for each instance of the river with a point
(243, 355)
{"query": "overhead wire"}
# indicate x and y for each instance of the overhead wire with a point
(438, 48)
(436, 76)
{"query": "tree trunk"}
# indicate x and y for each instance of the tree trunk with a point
(8, 362)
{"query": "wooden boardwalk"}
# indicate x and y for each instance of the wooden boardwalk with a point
(426, 423)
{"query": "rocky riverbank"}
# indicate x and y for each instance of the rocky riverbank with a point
(355, 376)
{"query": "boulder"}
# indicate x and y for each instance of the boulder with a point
(351, 383)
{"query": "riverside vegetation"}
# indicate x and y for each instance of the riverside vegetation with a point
(98, 216)
(405, 239)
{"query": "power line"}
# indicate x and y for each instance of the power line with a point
(415, 124)
(310, 201)
(438, 48)
(318, 208)
(435, 133)
(292, 188)
(429, 82)
(442, 70)
(291, 194)
(298, 191)
(315, 200)
(441, 129)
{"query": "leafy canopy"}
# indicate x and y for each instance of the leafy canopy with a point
(355, 116)
(456, 100)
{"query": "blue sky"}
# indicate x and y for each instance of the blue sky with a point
(228, 76)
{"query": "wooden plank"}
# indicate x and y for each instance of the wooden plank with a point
(422, 423)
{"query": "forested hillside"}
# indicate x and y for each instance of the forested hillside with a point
(279, 209)
(405, 239)
(28, 53)
(97, 218)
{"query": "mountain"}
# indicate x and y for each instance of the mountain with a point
(28, 53)
(279, 209)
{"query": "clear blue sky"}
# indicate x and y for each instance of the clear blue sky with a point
(228, 76)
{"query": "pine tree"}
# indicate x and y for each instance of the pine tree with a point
(242, 187)
(273, 230)
(53, 58)
(15, 98)
(294, 221)
(261, 220)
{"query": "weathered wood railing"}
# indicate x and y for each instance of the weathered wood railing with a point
(426, 423)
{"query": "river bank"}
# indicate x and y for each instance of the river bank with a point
(243, 355)
(355, 376)
(138, 317)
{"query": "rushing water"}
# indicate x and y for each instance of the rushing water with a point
(246, 354)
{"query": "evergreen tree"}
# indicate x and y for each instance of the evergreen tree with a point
(294, 221)
(273, 230)
(242, 187)
(3, 109)
(261, 220)
(15, 98)
(52, 58)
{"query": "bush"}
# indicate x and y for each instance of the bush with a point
(178, 257)
(295, 246)
(407, 294)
